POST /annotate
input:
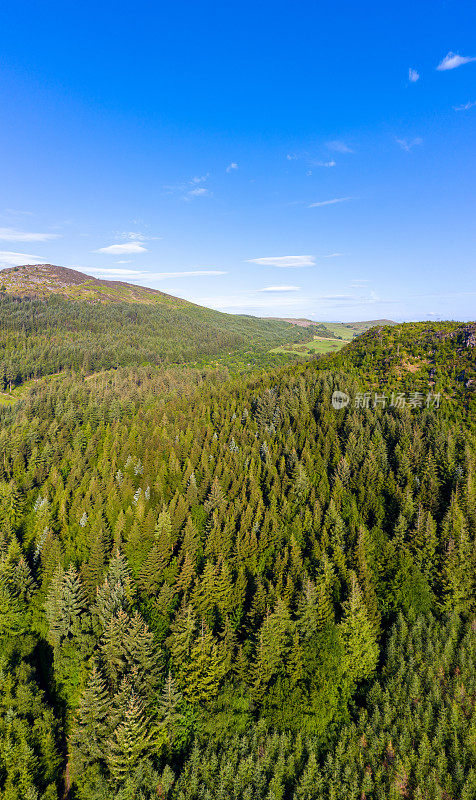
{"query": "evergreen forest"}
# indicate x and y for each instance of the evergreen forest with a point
(216, 585)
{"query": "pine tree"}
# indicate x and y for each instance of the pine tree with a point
(201, 675)
(169, 707)
(117, 591)
(358, 635)
(113, 647)
(143, 657)
(65, 604)
(88, 739)
(131, 741)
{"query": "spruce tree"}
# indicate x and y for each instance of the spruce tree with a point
(358, 636)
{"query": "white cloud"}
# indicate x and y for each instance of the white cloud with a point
(121, 249)
(283, 261)
(116, 271)
(13, 235)
(142, 275)
(194, 273)
(331, 202)
(136, 236)
(188, 193)
(339, 147)
(409, 144)
(232, 166)
(311, 160)
(15, 212)
(413, 75)
(200, 191)
(332, 255)
(280, 289)
(453, 60)
(18, 259)
(466, 106)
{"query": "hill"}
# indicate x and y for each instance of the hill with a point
(414, 356)
(53, 318)
(44, 280)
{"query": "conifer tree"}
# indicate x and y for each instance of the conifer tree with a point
(358, 636)
(88, 739)
(131, 741)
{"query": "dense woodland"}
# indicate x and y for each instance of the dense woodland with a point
(219, 586)
(42, 337)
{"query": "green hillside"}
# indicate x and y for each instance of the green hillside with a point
(216, 587)
(436, 357)
(53, 319)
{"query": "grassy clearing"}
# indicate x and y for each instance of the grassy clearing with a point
(340, 329)
(317, 346)
(320, 343)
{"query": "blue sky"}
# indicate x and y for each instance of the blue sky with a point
(275, 158)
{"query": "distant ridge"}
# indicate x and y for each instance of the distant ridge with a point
(302, 322)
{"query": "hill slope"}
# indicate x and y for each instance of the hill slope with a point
(53, 318)
(414, 357)
(44, 280)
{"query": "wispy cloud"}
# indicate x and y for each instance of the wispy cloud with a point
(200, 191)
(15, 212)
(330, 202)
(137, 236)
(332, 255)
(413, 75)
(190, 189)
(8, 258)
(231, 167)
(280, 289)
(311, 160)
(409, 144)
(193, 273)
(284, 261)
(13, 235)
(115, 271)
(339, 146)
(358, 283)
(453, 60)
(197, 190)
(466, 106)
(142, 275)
(122, 249)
